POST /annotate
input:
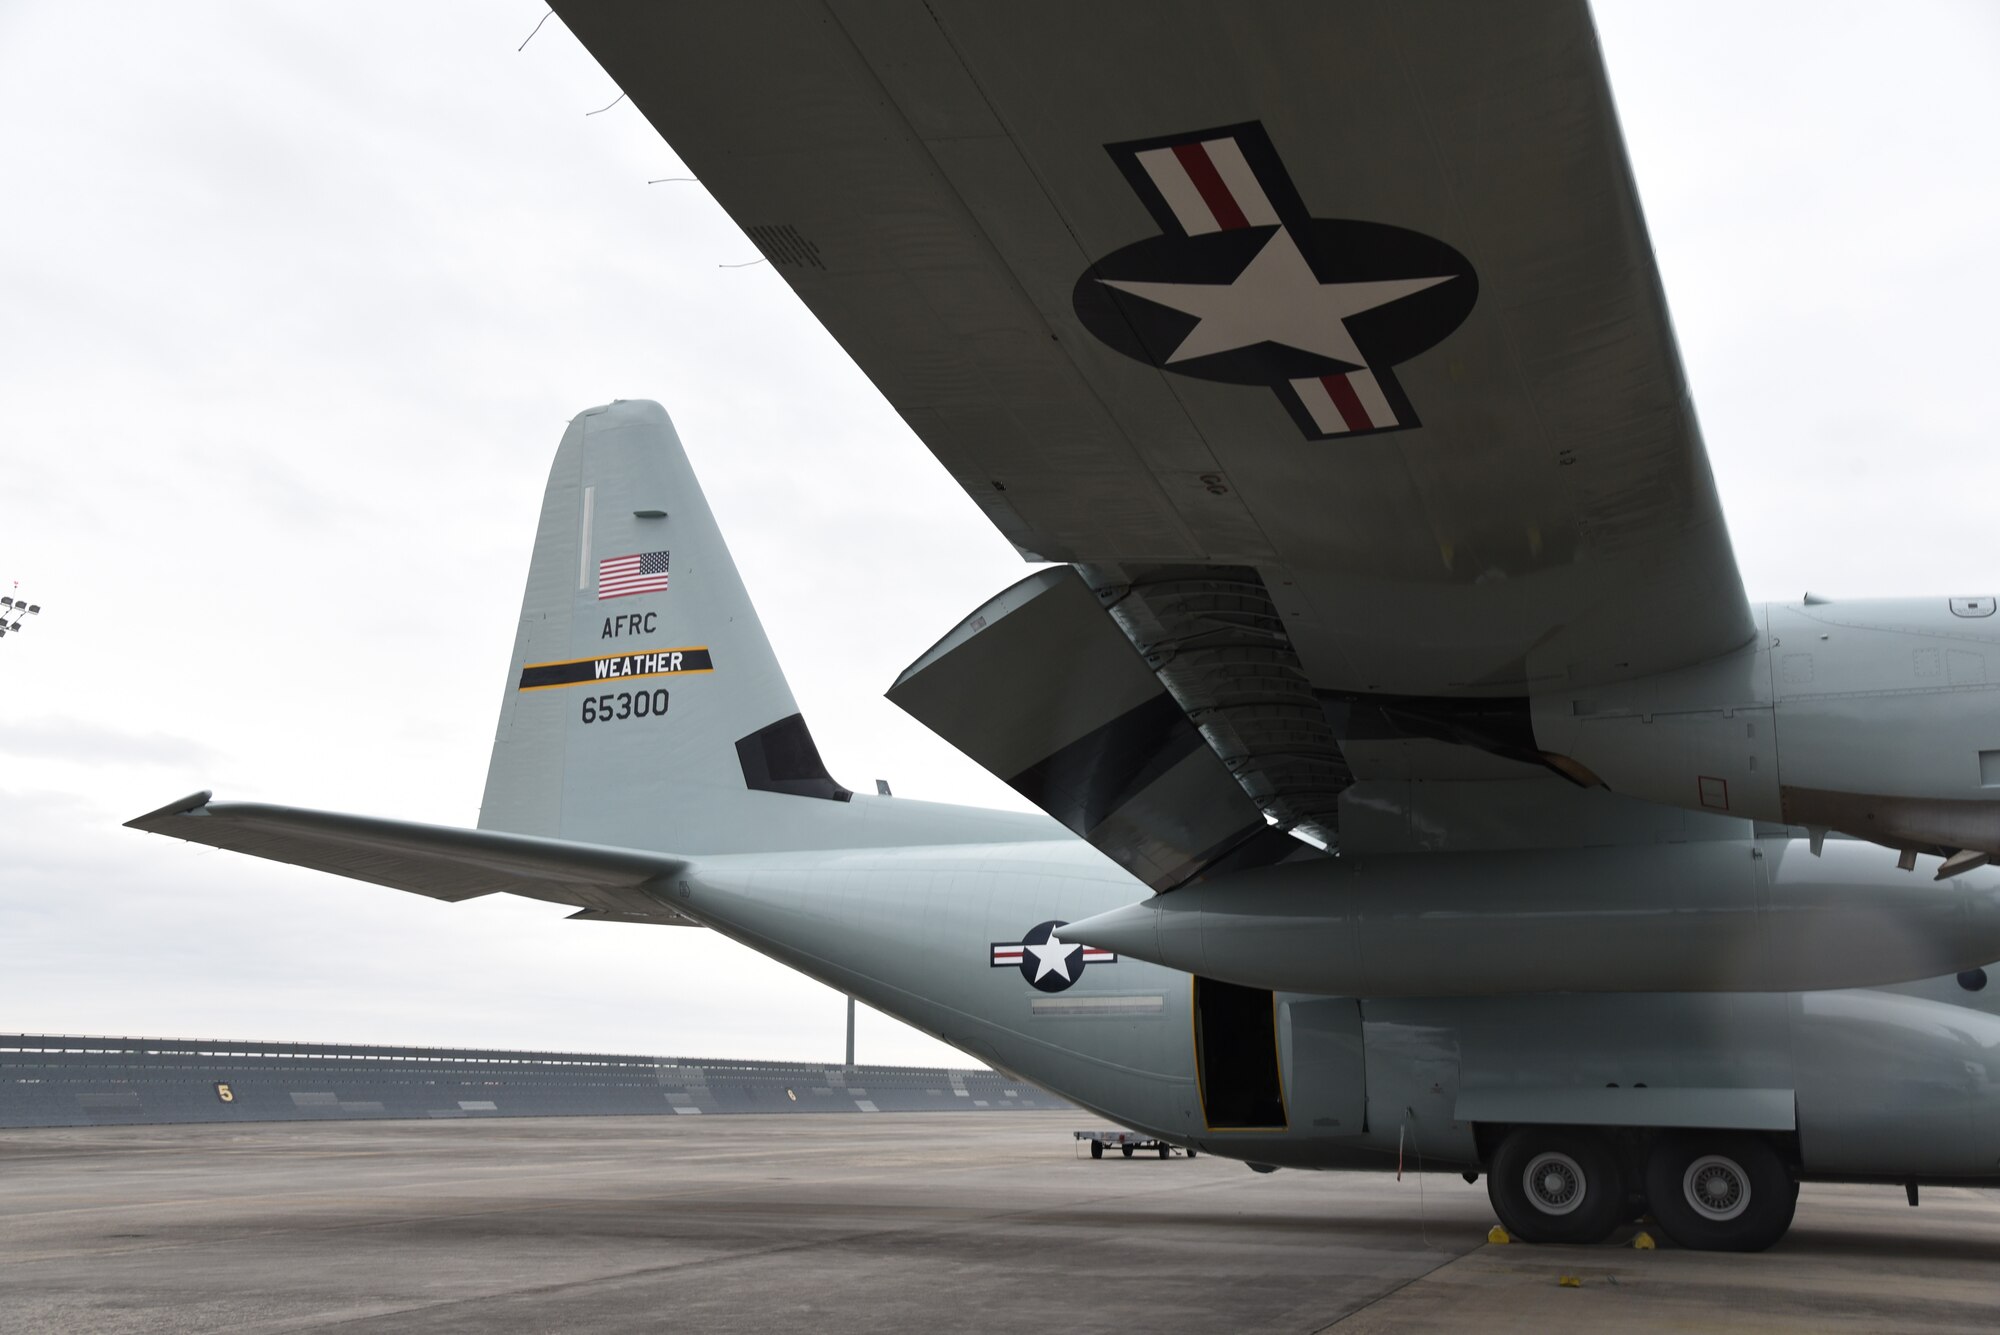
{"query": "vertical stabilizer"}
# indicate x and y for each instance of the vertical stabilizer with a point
(644, 707)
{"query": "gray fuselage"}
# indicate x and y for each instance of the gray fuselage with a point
(1890, 1084)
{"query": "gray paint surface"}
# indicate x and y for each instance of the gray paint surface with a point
(555, 775)
(1737, 915)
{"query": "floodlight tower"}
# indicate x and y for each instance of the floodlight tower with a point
(12, 610)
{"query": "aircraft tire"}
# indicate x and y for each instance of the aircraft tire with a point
(1097, 1149)
(1190, 1152)
(1125, 1150)
(1718, 1192)
(1556, 1184)
(1164, 1151)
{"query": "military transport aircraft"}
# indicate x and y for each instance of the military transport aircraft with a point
(1420, 775)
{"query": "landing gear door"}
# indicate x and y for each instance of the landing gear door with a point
(1324, 1066)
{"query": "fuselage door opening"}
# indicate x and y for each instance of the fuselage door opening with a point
(1236, 1057)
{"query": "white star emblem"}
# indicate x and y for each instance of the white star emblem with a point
(1276, 299)
(1052, 956)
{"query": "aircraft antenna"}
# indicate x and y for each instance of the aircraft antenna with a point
(531, 36)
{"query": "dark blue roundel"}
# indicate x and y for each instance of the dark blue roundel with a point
(1049, 963)
(1046, 961)
(1243, 284)
(1324, 296)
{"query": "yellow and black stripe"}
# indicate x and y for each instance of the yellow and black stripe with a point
(616, 667)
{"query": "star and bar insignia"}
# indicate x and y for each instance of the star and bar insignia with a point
(1243, 285)
(1049, 963)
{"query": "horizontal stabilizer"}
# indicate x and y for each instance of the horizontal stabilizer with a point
(434, 860)
(1042, 688)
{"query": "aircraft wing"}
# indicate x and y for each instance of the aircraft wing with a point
(1324, 338)
(606, 884)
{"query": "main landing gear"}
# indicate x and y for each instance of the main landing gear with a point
(1556, 1184)
(1720, 1192)
(1709, 1191)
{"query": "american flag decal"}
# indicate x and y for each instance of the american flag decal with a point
(1350, 299)
(640, 572)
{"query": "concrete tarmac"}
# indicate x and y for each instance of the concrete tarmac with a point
(874, 1224)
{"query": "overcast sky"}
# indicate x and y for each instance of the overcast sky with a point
(296, 299)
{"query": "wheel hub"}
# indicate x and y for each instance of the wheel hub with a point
(1554, 1182)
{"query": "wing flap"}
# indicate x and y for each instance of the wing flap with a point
(1046, 691)
(437, 861)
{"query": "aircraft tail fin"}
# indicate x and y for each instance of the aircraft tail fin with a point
(644, 707)
(644, 722)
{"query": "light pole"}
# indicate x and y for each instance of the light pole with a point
(12, 610)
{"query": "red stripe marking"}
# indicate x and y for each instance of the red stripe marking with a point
(1194, 161)
(1349, 403)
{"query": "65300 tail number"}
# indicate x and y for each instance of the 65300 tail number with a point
(609, 708)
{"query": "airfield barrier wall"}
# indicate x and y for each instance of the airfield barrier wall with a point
(79, 1080)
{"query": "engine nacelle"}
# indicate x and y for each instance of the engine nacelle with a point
(1878, 718)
